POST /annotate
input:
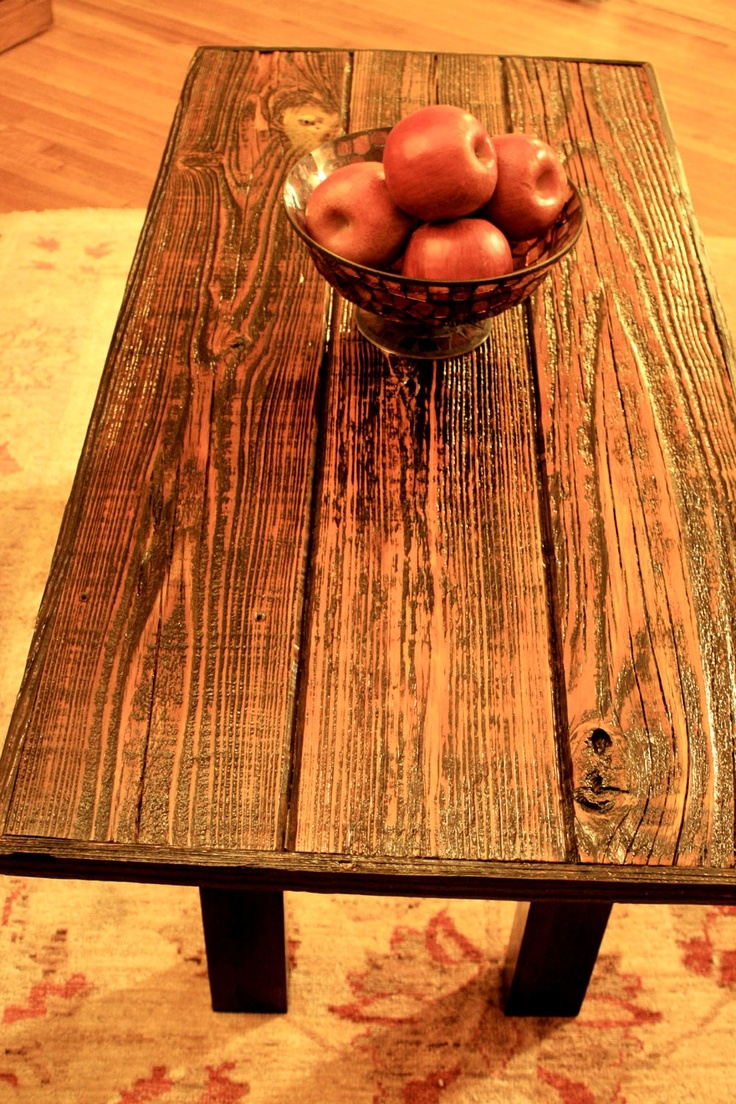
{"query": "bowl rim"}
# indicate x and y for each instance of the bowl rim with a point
(546, 262)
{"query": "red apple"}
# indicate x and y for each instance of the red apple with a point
(463, 249)
(439, 163)
(351, 213)
(531, 189)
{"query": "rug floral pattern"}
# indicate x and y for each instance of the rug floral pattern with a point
(392, 1001)
(103, 988)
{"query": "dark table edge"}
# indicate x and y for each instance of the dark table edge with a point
(380, 876)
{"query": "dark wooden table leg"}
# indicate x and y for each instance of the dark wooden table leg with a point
(246, 953)
(552, 952)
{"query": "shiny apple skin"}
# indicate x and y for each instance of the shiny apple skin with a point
(440, 163)
(462, 249)
(351, 213)
(531, 188)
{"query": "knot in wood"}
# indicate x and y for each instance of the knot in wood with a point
(308, 125)
(595, 794)
(600, 740)
(599, 775)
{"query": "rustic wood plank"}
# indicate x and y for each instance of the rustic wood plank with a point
(429, 722)
(157, 704)
(639, 428)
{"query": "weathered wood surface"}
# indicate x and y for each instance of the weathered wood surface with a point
(638, 417)
(516, 640)
(158, 705)
(429, 706)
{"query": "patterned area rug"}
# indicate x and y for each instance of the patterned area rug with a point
(103, 988)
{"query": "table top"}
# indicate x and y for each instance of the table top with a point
(324, 618)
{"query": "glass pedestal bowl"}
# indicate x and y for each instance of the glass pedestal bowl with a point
(421, 318)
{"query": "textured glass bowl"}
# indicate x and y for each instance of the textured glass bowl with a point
(421, 318)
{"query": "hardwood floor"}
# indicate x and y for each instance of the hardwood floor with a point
(85, 108)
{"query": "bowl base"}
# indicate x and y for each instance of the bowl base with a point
(423, 342)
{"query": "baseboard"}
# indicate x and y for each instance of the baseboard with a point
(22, 19)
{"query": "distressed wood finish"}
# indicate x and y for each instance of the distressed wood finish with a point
(158, 705)
(318, 617)
(429, 706)
(638, 415)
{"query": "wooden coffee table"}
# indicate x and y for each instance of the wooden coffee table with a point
(322, 619)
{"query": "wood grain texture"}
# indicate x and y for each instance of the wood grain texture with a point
(638, 414)
(429, 722)
(158, 703)
(309, 597)
(85, 108)
(429, 704)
